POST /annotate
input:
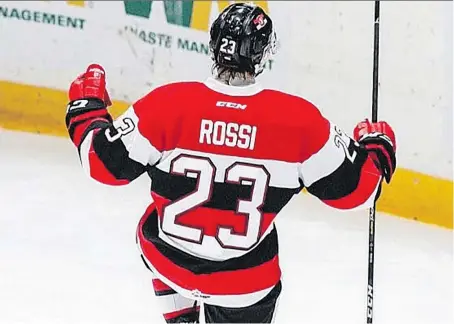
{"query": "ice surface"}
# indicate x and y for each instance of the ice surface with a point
(68, 254)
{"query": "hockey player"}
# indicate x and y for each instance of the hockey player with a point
(225, 156)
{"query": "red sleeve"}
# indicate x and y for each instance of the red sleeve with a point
(116, 153)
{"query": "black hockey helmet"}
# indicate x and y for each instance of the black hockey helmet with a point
(242, 38)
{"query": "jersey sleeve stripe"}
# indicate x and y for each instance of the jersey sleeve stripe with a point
(94, 126)
(74, 121)
(364, 194)
(95, 156)
(80, 129)
(114, 153)
(321, 164)
(77, 125)
(342, 181)
(98, 170)
(369, 203)
(115, 158)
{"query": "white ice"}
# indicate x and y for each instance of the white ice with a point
(68, 254)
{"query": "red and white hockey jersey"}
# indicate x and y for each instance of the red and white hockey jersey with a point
(223, 162)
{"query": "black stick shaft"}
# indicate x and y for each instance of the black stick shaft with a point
(370, 269)
(375, 69)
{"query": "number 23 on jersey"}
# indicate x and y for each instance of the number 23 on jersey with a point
(256, 176)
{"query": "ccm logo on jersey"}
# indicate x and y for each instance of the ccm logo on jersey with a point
(229, 134)
(230, 105)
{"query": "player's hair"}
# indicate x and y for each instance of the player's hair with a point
(228, 75)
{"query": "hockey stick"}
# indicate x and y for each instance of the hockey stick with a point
(370, 269)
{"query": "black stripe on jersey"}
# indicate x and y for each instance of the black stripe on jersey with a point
(92, 126)
(115, 157)
(224, 195)
(262, 253)
(344, 180)
(74, 108)
(72, 127)
(192, 316)
(165, 293)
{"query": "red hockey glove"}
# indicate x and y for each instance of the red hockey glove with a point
(91, 84)
(379, 140)
(88, 101)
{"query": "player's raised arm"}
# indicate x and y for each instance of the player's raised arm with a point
(346, 173)
(111, 152)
